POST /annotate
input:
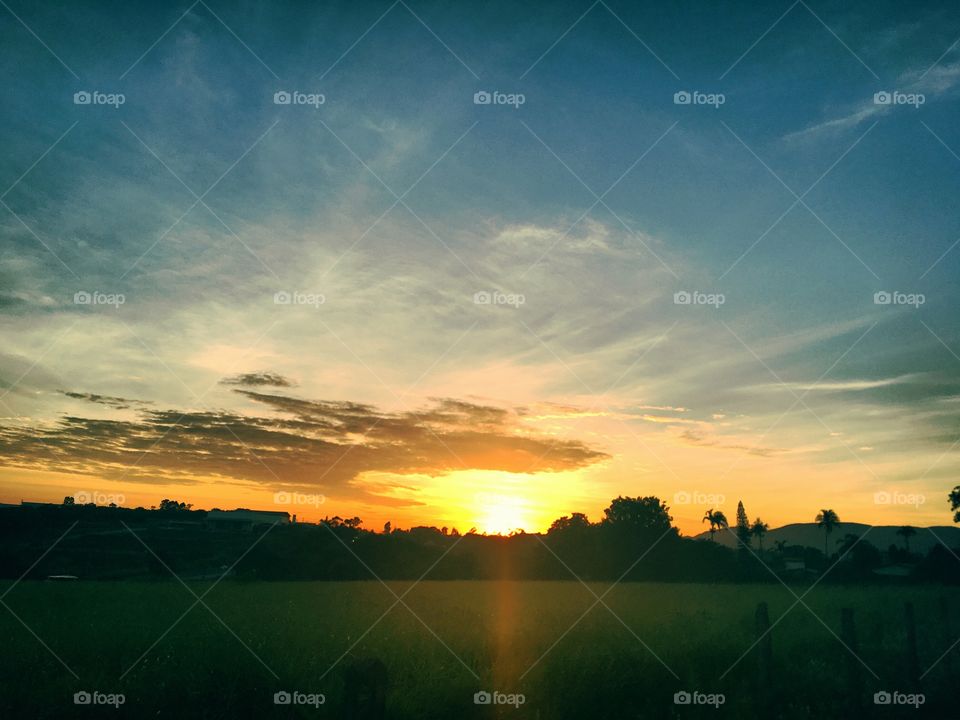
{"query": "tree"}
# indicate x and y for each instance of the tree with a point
(387, 527)
(954, 498)
(717, 521)
(828, 520)
(743, 527)
(173, 506)
(575, 521)
(906, 532)
(759, 529)
(69, 500)
(640, 513)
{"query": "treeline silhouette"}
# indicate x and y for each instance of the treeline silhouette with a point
(635, 540)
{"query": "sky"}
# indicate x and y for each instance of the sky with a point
(491, 264)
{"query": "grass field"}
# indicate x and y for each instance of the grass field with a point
(512, 637)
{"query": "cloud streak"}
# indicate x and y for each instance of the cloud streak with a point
(304, 443)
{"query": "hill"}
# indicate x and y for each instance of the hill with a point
(882, 536)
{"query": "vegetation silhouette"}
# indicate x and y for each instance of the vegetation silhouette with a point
(828, 520)
(635, 540)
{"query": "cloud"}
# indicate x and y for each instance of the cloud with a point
(932, 83)
(117, 403)
(256, 379)
(695, 437)
(305, 443)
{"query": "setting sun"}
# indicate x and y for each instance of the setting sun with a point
(502, 515)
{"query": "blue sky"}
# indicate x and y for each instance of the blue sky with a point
(597, 200)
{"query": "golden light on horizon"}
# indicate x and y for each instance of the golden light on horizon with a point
(502, 514)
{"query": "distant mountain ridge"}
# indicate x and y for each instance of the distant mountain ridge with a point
(882, 536)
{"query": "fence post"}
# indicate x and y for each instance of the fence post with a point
(764, 656)
(913, 664)
(848, 633)
(946, 630)
(365, 688)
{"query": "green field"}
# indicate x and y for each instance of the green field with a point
(515, 636)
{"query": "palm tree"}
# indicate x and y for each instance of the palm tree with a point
(716, 519)
(828, 520)
(906, 532)
(759, 529)
(781, 545)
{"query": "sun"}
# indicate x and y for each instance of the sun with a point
(501, 515)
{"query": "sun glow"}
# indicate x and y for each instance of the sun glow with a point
(501, 515)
